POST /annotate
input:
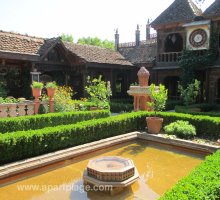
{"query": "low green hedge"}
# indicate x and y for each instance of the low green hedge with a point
(121, 107)
(23, 144)
(206, 109)
(202, 183)
(50, 119)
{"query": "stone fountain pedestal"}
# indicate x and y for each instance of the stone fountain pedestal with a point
(141, 92)
(111, 174)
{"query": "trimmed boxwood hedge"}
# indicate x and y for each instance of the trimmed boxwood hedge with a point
(202, 183)
(192, 110)
(23, 144)
(50, 119)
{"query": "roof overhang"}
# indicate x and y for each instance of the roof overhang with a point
(197, 23)
(19, 56)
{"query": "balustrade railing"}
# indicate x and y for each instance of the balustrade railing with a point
(152, 40)
(169, 57)
(18, 109)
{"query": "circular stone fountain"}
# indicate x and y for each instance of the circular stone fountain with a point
(113, 171)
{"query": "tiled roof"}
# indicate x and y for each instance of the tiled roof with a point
(140, 54)
(213, 10)
(24, 44)
(94, 54)
(178, 11)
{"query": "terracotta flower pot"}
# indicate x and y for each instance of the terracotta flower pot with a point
(51, 92)
(36, 92)
(154, 124)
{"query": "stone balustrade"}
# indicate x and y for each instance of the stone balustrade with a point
(169, 57)
(18, 109)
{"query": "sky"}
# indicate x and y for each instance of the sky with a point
(81, 18)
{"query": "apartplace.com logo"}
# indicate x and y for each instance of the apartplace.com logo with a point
(72, 187)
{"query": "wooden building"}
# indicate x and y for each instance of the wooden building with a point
(181, 26)
(63, 62)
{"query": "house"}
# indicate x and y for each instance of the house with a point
(181, 26)
(24, 57)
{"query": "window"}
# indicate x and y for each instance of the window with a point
(174, 43)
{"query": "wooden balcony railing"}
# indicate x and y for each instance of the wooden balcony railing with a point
(169, 57)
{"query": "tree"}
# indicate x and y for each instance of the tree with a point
(99, 91)
(66, 37)
(96, 42)
(190, 93)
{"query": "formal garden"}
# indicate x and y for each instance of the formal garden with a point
(77, 122)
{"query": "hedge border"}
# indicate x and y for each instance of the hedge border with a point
(202, 183)
(24, 144)
(47, 120)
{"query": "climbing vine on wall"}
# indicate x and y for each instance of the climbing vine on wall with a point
(194, 60)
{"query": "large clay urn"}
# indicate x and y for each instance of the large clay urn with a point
(51, 92)
(36, 92)
(154, 124)
(143, 76)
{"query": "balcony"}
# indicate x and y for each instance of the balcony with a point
(169, 57)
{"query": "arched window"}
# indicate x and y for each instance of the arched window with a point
(171, 83)
(174, 43)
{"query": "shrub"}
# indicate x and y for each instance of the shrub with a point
(99, 91)
(24, 144)
(63, 99)
(159, 97)
(190, 93)
(121, 107)
(50, 119)
(206, 109)
(202, 183)
(52, 85)
(181, 129)
(36, 84)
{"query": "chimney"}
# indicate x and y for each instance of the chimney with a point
(116, 40)
(148, 30)
(137, 36)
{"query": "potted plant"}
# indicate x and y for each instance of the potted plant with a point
(158, 101)
(36, 88)
(51, 88)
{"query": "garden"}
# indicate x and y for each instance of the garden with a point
(71, 123)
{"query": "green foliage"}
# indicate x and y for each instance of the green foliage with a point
(203, 183)
(159, 97)
(3, 90)
(36, 84)
(66, 37)
(52, 85)
(51, 119)
(191, 61)
(181, 129)
(23, 144)
(190, 93)
(63, 99)
(199, 109)
(121, 107)
(99, 91)
(97, 42)
(8, 100)
(170, 104)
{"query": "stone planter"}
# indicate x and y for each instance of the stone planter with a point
(36, 92)
(51, 92)
(154, 124)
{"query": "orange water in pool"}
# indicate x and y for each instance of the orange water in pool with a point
(159, 166)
